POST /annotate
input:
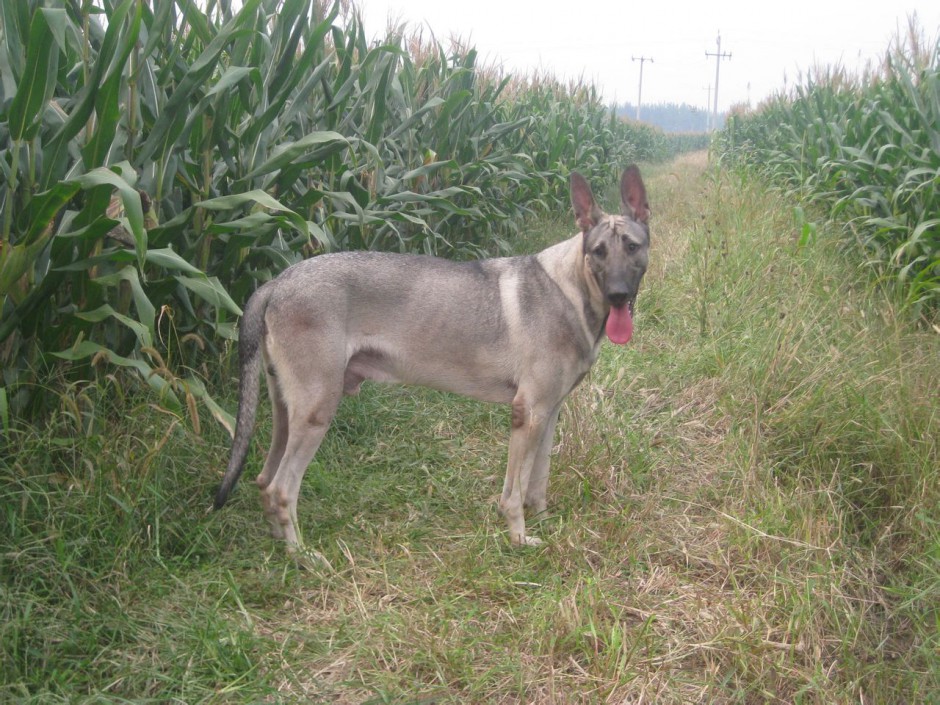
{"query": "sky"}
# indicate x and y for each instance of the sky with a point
(771, 44)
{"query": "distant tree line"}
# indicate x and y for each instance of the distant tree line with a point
(671, 117)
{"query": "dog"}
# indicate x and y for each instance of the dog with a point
(518, 330)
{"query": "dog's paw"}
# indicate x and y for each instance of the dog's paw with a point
(520, 541)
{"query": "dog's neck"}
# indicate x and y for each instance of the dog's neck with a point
(560, 261)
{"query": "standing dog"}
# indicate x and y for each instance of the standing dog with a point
(514, 330)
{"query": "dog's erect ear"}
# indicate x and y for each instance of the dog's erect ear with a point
(633, 202)
(586, 212)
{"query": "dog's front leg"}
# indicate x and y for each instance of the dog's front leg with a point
(528, 429)
(536, 498)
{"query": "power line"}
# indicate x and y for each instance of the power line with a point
(718, 57)
(639, 95)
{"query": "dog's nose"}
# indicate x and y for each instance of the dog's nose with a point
(617, 298)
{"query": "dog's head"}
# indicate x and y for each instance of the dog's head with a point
(616, 248)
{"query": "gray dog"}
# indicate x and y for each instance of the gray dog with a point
(514, 330)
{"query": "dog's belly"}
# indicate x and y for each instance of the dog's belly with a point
(479, 381)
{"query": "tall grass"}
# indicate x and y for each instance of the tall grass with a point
(160, 160)
(866, 150)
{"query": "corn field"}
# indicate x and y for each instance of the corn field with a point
(866, 150)
(162, 158)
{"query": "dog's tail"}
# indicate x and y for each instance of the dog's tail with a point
(251, 332)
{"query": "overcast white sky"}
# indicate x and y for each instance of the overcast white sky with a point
(595, 39)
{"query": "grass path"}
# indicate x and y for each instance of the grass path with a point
(743, 510)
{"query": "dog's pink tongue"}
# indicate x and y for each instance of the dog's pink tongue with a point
(620, 325)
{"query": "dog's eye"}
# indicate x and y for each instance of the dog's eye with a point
(600, 251)
(632, 248)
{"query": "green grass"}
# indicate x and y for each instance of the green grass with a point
(743, 510)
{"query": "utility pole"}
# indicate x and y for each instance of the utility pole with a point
(718, 57)
(639, 94)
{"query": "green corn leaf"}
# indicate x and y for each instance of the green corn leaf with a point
(16, 260)
(146, 312)
(308, 150)
(251, 225)
(301, 69)
(168, 259)
(130, 198)
(105, 311)
(259, 197)
(253, 198)
(210, 289)
(230, 78)
(56, 151)
(416, 117)
(916, 241)
(428, 170)
(174, 112)
(198, 390)
(117, 257)
(216, 98)
(44, 208)
(379, 99)
(16, 20)
(289, 30)
(438, 199)
(109, 94)
(37, 82)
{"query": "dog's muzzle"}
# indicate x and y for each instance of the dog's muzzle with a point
(618, 299)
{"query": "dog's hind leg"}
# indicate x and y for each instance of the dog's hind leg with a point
(272, 462)
(278, 434)
(307, 424)
(305, 379)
